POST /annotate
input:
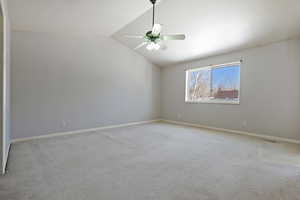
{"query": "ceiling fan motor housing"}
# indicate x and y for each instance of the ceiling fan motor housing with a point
(153, 1)
(151, 37)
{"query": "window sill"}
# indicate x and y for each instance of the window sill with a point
(214, 102)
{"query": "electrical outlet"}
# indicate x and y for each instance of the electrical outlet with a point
(245, 123)
(178, 116)
(64, 123)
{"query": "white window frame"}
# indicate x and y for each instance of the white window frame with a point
(213, 67)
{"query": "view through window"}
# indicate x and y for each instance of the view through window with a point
(214, 84)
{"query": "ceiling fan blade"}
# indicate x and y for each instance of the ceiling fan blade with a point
(134, 36)
(173, 37)
(156, 29)
(140, 46)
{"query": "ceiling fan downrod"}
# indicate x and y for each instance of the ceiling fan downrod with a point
(153, 11)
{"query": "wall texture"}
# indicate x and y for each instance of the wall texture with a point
(6, 115)
(63, 83)
(270, 92)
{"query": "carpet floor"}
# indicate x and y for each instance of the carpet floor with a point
(157, 161)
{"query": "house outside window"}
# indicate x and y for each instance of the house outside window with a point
(214, 84)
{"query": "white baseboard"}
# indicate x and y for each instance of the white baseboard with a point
(5, 159)
(83, 131)
(265, 137)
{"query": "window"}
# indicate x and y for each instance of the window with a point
(214, 84)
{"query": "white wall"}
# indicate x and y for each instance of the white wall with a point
(6, 129)
(270, 92)
(63, 82)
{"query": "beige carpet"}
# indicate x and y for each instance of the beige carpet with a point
(156, 161)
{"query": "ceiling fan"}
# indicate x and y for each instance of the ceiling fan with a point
(153, 39)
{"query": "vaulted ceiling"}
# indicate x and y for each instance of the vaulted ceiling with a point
(212, 26)
(216, 26)
(102, 17)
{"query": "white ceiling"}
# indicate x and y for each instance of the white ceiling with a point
(102, 17)
(212, 26)
(215, 26)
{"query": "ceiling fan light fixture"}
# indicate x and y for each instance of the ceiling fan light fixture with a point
(153, 46)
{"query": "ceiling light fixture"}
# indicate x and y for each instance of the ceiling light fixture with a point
(153, 46)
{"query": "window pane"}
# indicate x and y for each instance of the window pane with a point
(199, 85)
(226, 83)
